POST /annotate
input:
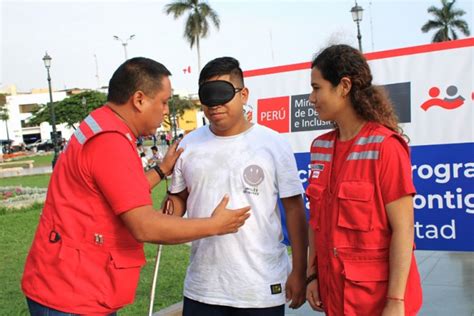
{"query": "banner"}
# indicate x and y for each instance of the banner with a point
(432, 88)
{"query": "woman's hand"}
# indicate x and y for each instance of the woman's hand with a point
(394, 308)
(312, 296)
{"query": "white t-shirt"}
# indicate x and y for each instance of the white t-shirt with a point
(253, 168)
(144, 161)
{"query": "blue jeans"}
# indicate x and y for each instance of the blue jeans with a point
(36, 309)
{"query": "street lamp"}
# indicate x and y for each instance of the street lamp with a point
(173, 115)
(47, 64)
(175, 124)
(357, 17)
(124, 43)
(84, 105)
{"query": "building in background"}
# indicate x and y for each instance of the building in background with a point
(20, 107)
(190, 120)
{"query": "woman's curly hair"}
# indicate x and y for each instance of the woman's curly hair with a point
(370, 102)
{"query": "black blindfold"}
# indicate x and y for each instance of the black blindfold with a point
(217, 92)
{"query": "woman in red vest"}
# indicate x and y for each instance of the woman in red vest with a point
(361, 196)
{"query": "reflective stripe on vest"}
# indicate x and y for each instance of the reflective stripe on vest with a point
(93, 125)
(372, 154)
(79, 136)
(323, 143)
(321, 157)
(374, 139)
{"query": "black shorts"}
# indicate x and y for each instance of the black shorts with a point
(195, 308)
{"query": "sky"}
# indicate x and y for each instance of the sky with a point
(78, 35)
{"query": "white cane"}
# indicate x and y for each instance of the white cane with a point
(155, 277)
(168, 209)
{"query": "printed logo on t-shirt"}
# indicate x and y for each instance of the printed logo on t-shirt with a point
(275, 288)
(253, 176)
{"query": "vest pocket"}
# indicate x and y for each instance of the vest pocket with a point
(315, 195)
(123, 272)
(50, 269)
(365, 286)
(355, 205)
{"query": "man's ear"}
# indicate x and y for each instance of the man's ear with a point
(138, 99)
(346, 86)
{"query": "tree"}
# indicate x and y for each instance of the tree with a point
(71, 110)
(446, 21)
(177, 106)
(197, 24)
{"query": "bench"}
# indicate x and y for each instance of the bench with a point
(15, 163)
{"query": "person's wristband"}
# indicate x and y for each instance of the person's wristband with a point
(395, 299)
(311, 278)
(159, 171)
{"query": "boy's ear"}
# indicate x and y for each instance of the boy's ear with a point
(244, 94)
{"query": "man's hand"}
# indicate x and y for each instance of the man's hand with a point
(227, 220)
(312, 295)
(295, 289)
(170, 158)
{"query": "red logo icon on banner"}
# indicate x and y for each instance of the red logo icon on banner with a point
(274, 113)
(447, 103)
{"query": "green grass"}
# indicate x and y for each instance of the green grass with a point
(169, 289)
(39, 160)
(37, 181)
(16, 235)
(17, 231)
(148, 142)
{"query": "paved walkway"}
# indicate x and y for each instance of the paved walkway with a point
(447, 279)
(18, 172)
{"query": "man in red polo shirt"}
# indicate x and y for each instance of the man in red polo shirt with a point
(87, 253)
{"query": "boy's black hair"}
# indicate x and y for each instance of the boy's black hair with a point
(222, 66)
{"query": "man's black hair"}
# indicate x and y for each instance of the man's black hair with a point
(222, 66)
(136, 74)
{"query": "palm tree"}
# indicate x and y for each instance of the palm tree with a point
(197, 24)
(446, 21)
(4, 116)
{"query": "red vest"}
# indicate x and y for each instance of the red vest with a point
(83, 259)
(351, 230)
